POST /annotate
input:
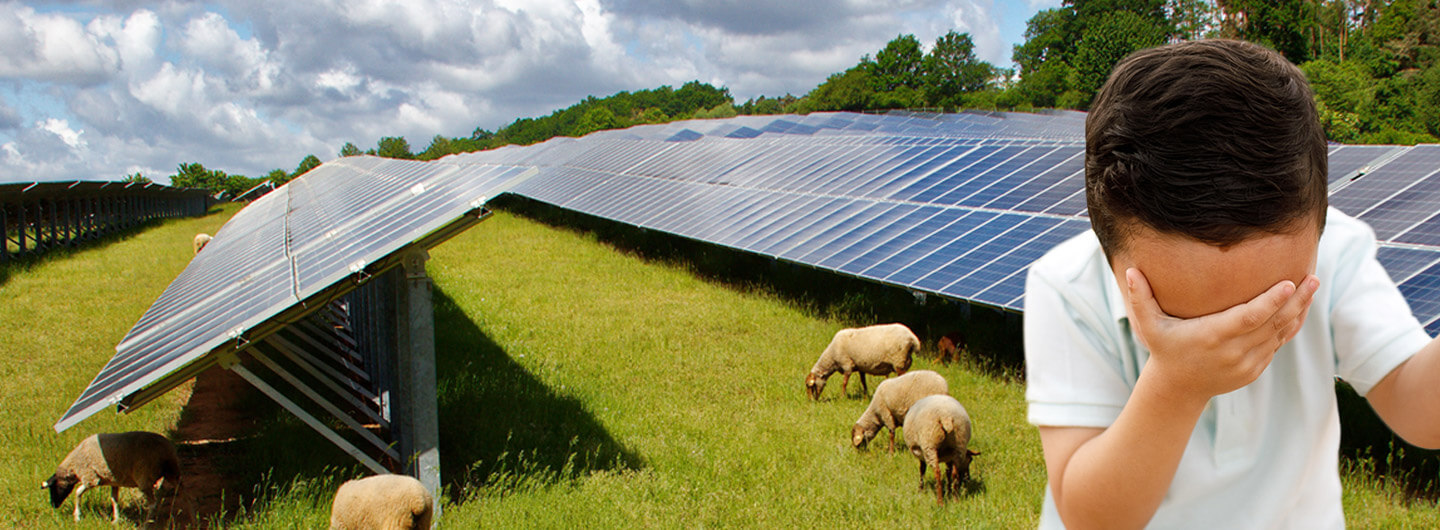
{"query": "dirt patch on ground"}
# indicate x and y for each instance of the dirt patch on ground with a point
(212, 423)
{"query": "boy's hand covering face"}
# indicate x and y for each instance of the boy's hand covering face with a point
(1220, 352)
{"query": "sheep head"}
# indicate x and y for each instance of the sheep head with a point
(860, 436)
(814, 385)
(60, 488)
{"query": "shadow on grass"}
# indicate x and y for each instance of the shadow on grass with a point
(500, 427)
(501, 430)
(992, 337)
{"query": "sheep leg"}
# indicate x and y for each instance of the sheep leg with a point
(939, 483)
(865, 390)
(115, 504)
(845, 383)
(892, 441)
(78, 491)
(922, 475)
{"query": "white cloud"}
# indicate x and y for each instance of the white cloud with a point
(977, 17)
(51, 48)
(247, 86)
(61, 128)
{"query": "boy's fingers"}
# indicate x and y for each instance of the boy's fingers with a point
(1296, 305)
(1261, 309)
(1143, 307)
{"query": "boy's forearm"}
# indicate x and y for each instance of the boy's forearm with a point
(1408, 399)
(1118, 478)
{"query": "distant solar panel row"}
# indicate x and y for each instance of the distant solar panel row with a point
(957, 205)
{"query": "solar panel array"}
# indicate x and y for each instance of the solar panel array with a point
(282, 249)
(956, 205)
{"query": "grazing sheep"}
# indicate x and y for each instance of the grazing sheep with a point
(382, 502)
(950, 346)
(937, 429)
(874, 350)
(893, 398)
(200, 241)
(135, 459)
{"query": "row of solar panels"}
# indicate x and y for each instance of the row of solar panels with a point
(957, 205)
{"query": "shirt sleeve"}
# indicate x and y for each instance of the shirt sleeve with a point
(1373, 328)
(1075, 367)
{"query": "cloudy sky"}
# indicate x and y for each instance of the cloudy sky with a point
(96, 90)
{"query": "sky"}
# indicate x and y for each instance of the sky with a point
(96, 90)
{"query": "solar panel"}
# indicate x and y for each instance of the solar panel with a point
(285, 247)
(1387, 180)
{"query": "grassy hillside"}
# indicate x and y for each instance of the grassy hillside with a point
(579, 386)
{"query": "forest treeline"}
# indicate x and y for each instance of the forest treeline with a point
(1374, 66)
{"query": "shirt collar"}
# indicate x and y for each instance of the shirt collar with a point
(1114, 299)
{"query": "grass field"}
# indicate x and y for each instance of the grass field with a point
(580, 386)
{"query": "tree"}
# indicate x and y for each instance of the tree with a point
(136, 177)
(1279, 24)
(1105, 42)
(306, 164)
(899, 63)
(849, 90)
(350, 150)
(278, 176)
(951, 70)
(1193, 19)
(394, 147)
(598, 118)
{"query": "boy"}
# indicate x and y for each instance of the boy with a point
(1181, 357)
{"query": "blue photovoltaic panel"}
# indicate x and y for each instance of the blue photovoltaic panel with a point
(977, 257)
(1402, 262)
(1347, 160)
(893, 268)
(1387, 180)
(1423, 293)
(886, 244)
(1427, 233)
(865, 240)
(1073, 163)
(1408, 208)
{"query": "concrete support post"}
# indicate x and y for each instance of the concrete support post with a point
(418, 418)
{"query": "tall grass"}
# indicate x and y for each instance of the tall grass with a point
(61, 315)
(580, 385)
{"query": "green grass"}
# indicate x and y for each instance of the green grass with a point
(61, 315)
(579, 386)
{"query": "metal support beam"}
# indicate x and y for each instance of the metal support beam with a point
(418, 422)
(304, 416)
(325, 404)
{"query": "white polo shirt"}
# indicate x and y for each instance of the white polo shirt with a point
(1263, 456)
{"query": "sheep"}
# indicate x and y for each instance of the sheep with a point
(201, 240)
(893, 398)
(937, 429)
(382, 502)
(874, 350)
(950, 346)
(135, 459)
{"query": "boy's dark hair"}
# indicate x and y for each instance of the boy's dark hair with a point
(1215, 140)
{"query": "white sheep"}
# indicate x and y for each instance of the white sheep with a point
(893, 398)
(876, 350)
(382, 502)
(201, 240)
(135, 459)
(937, 429)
